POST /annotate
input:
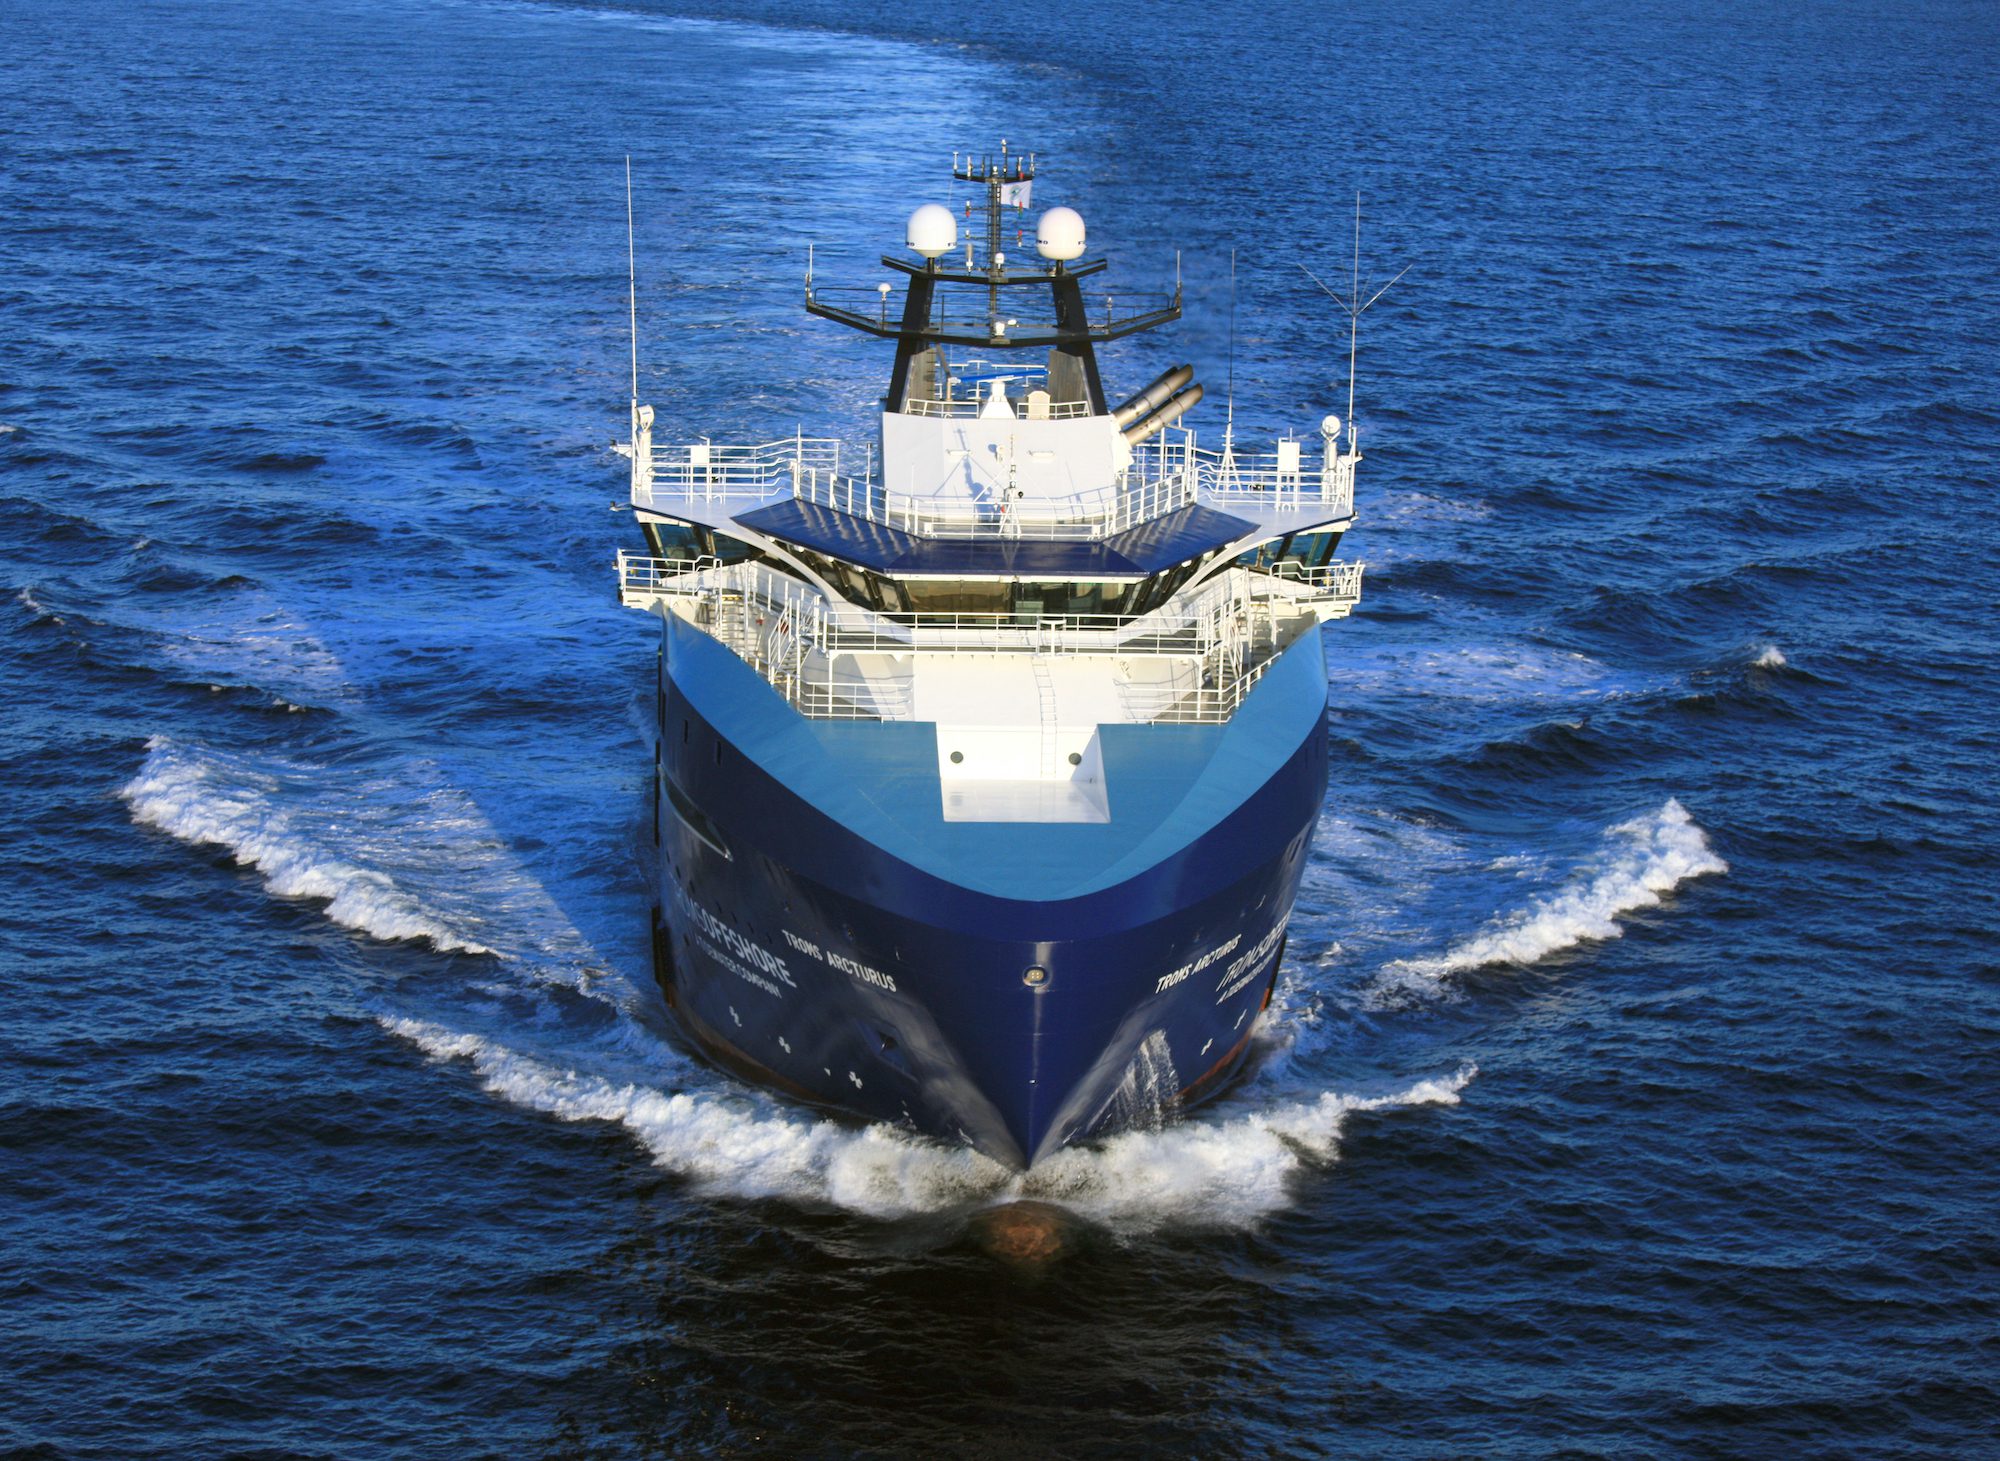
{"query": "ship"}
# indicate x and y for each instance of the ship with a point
(985, 775)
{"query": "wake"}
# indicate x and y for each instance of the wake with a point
(1228, 1172)
(399, 855)
(206, 797)
(1640, 863)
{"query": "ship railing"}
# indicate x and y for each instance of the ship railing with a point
(1286, 476)
(1336, 580)
(1103, 309)
(705, 471)
(1077, 517)
(644, 573)
(1026, 408)
(1165, 475)
(1208, 703)
(807, 470)
(1224, 614)
(1192, 625)
(832, 659)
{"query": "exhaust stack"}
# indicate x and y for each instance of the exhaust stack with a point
(1164, 416)
(1151, 398)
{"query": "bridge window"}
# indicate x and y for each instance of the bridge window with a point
(684, 542)
(959, 596)
(1304, 550)
(1028, 600)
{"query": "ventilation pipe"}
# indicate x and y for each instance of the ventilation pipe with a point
(1166, 415)
(1151, 398)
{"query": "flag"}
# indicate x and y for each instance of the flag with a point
(1015, 195)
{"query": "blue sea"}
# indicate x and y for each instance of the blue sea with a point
(1633, 1085)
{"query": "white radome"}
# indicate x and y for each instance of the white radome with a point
(1329, 426)
(1059, 235)
(932, 230)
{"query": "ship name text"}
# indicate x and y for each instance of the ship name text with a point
(1195, 966)
(833, 959)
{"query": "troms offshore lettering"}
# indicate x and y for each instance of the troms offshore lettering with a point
(738, 954)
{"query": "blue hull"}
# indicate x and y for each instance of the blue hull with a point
(1017, 986)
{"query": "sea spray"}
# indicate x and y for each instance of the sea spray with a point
(1149, 1096)
(1224, 1169)
(1642, 860)
(206, 797)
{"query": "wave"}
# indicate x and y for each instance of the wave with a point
(1644, 859)
(1503, 671)
(1772, 658)
(281, 461)
(204, 797)
(38, 613)
(1201, 1173)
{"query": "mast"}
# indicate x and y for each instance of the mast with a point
(1356, 307)
(1008, 181)
(929, 322)
(1354, 320)
(632, 288)
(642, 416)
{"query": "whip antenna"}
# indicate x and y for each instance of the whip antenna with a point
(1355, 308)
(632, 286)
(1229, 421)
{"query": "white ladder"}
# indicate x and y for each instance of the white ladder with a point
(1045, 687)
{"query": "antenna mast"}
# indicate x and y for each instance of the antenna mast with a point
(632, 286)
(1355, 308)
(1229, 420)
(1354, 320)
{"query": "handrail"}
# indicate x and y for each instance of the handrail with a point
(1082, 516)
(966, 406)
(806, 645)
(1335, 580)
(1164, 476)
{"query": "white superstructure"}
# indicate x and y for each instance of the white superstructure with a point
(1017, 563)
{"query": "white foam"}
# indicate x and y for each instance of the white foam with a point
(27, 600)
(205, 797)
(1773, 658)
(1407, 507)
(251, 638)
(1231, 1170)
(1504, 671)
(1643, 860)
(1228, 1170)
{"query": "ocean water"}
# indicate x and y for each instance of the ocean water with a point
(1631, 1088)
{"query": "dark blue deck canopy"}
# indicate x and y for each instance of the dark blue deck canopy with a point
(1135, 553)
